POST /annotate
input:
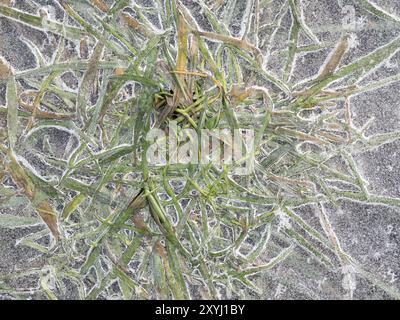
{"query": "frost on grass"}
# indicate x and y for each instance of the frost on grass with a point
(83, 215)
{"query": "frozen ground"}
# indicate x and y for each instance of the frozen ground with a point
(369, 233)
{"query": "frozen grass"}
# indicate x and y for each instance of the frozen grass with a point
(121, 228)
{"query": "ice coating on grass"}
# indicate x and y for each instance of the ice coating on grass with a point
(317, 220)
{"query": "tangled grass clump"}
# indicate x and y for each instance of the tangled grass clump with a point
(122, 228)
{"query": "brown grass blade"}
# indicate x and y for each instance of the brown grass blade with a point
(34, 194)
(101, 5)
(242, 44)
(335, 58)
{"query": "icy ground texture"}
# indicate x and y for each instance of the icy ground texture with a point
(344, 242)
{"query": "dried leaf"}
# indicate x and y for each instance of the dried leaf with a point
(335, 58)
(101, 5)
(5, 70)
(34, 194)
